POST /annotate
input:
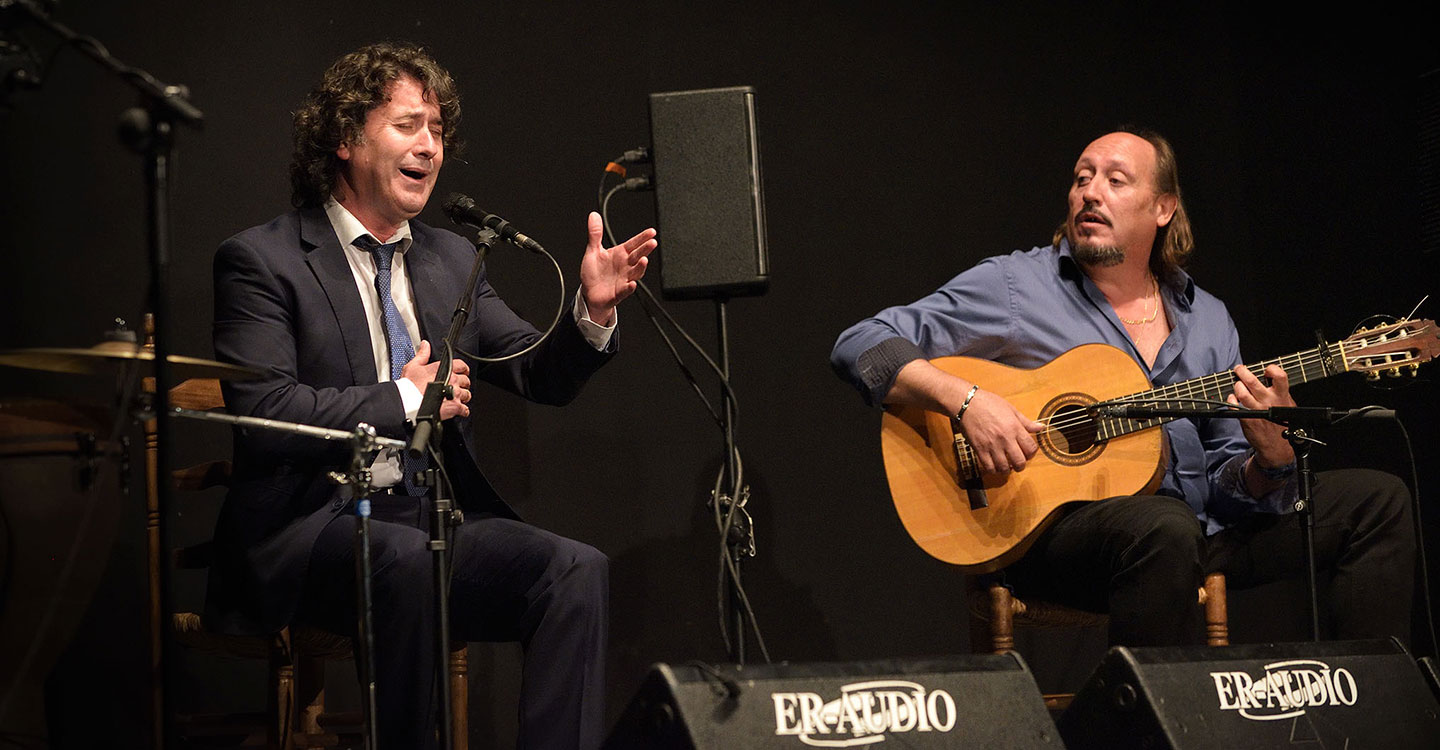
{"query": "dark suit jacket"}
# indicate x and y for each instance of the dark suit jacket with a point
(286, 303)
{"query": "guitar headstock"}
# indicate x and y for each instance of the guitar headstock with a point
(1392, 349)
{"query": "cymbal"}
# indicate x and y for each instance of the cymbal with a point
(105, 356)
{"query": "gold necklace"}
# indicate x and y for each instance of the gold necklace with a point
(1154, 310)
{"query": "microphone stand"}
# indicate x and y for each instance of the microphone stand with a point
(148, 130)
(363, 442)
(1299, 422)
(427, 440)
(358, 477)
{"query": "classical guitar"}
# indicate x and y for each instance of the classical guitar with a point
(983, 522)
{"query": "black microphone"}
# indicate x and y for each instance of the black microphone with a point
(1107, 410)
(1366, 412)
(462, 210)
(1286, 413)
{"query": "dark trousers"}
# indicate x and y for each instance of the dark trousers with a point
(1142, 560)
(510, 582)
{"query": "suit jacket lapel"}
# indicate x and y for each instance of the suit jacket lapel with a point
(327, 261)
(426, 285)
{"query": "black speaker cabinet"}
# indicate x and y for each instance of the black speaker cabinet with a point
(970, 701)
(1339, 694)
(708, 198)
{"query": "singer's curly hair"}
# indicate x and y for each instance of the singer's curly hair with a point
(1175, 241)
(334, 113)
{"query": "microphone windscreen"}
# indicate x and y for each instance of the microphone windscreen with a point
(458, 201)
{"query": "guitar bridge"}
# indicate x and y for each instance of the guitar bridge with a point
(967, 470)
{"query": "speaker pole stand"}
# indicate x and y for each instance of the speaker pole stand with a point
(738, 541)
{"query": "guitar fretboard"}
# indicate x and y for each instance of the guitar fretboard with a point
(1301, 367)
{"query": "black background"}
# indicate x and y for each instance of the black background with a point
(901, 143)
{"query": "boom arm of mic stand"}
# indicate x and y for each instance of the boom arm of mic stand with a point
(428, 416)
(171, 101)
(1288, 415)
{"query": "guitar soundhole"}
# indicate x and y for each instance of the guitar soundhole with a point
(1076, 431)
(1071, 439)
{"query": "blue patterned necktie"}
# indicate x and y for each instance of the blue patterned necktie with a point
(402, 349)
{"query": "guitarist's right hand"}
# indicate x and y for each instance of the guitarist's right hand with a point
(1002, 437)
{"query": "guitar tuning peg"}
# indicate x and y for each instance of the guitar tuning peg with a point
(1412, 369)
(1372, 376)
(1393, 372)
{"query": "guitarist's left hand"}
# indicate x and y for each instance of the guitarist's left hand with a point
(1272, 450)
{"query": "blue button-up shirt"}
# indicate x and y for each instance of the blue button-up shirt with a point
(1029, 307)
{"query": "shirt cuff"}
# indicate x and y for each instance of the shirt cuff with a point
(879, 365)
(410, 398)
(1281, 499)
(597, 335)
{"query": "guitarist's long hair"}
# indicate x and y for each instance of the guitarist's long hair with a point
(1173, 242)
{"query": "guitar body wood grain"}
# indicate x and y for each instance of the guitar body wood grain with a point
(920, 460)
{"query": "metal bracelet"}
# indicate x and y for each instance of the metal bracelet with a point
(959, 415)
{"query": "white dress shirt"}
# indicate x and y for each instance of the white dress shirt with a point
(386, 471)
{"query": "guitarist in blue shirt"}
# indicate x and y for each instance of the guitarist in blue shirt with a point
(1114, 275)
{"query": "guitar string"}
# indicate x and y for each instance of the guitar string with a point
(1187, 391)
(1210, 389)
(1211, 385)
(1201, 386)
(1206, 386)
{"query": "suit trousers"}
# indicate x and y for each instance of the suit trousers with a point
(1142, 559)
(509, 582)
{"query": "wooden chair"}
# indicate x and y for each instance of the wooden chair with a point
(995, 612)
(295, 714)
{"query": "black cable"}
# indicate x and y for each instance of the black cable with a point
(723, 525)
(728, 687)
(1420, 541)
(724, 568)
(601, 199)
(559, 313)
(728, 563)
(650, 306)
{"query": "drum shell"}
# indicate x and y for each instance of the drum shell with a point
(60, 504)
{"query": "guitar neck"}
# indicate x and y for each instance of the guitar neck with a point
(1302, 367)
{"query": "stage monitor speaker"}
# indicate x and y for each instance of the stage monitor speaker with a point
(708, 198)
(968, 701)
(1338, 694)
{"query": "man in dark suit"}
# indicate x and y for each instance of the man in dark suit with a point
(336, 304)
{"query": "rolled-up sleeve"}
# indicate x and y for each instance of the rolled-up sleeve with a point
(970, 314)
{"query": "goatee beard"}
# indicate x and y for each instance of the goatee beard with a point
(1098, 256)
